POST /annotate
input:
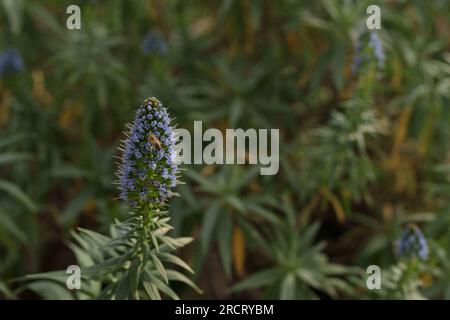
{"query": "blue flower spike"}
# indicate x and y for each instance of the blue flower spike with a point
(10, 62)
(148, 172)
(368, 48)
(412, 243)
(375, 44)
(154, 44)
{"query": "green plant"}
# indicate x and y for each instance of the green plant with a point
(129, 263)
(298, 267)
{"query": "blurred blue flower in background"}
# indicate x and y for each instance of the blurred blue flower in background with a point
(375, 44)
(412, 243)
(361, 55)
(357, 59)
(10, 62)
(154, 43)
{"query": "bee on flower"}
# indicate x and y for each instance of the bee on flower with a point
(148, 171)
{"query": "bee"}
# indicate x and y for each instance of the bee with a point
(151, 101)
(154, 141)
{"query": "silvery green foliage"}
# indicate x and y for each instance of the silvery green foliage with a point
(299, 268)
(14, 230)
(338, 159)
(135, 260)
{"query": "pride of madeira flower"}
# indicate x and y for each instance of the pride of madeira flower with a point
(154, 44)
(412, 243)
(367, 47)
(10, 62)
(149, 170)
(135, 261)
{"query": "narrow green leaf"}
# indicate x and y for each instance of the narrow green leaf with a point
(13, 157)
(134, 274)
(257, 280)
(123, 288)
(9, 226)
(287, 289)
(178, 276)
(5, 291)
(224, 242)
(163, 287)
(151, 290)
(175, 260)
(75, 206)
(160, 267)
(209, 222)
(17, 193)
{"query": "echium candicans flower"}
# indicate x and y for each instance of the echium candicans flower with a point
(368, 47)
(10, 62)
(375, 44)
(130, 263)
(412, 243)
(149, 170)
(153, 43)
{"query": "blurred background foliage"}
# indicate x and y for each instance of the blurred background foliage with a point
(353, 171)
